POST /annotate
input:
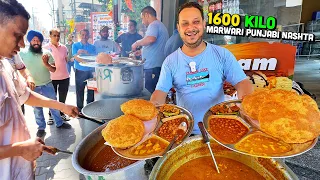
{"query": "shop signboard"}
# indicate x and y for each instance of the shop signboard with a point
(99, 20)
(267, 65)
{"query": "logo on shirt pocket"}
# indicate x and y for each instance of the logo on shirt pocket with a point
(197, 78)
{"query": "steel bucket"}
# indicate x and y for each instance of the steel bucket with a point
(193, 148)
(131, 172)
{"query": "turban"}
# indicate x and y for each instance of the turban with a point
(33, 33)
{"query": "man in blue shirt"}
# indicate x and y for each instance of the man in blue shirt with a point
(153, 46)
(198, 69)
(127, 39)
(83, 73)
(173, 43)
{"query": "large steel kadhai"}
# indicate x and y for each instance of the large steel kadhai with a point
(133, 171)
(193, 147)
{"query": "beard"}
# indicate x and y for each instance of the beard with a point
(195, 44)
(104, 37)
(37, 50)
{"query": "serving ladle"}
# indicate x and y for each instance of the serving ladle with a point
(182, 126)
(207, 141)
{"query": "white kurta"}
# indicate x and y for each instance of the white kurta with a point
(13, 93)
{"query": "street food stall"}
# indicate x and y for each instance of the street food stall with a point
(273, 122)
(244, 145)
(249, 138)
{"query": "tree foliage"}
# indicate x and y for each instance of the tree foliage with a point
(137, 6)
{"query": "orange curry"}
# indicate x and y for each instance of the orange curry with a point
(260, 144)
(101, 158)
(203, 168)
(227, 130)
(170, 128)
(153, 145)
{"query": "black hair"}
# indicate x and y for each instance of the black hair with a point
(11, 8)
(134, 23)
(150, 10)
(190, 5)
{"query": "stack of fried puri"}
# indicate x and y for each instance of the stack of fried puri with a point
(284, 114)
(127, 130)
(124, 131)
(140, 108)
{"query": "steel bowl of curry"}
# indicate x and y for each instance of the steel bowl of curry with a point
(192, 161)
(95, 160)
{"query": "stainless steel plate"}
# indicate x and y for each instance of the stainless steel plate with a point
(115, 63)
(127, 153)
(297, 149)
(190, 124)
(92, 64)
(88, 58)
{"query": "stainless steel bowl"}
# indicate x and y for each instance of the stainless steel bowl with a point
(133, 171)
(194, 148)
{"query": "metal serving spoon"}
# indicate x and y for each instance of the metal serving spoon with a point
(182, 126)
(207, 141)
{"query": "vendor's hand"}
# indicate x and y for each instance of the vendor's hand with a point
(137, 53)
(82, 51)
(134, 46)
(156, 103)
(31, 149)
(71, 111)
(45, 59)
(30, 83)
(131, 55)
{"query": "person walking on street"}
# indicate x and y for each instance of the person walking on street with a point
(60, 77)
(70, 61)
(153, 47)
(83, 73)
(40, 63)
(127, 39)
(17, 150)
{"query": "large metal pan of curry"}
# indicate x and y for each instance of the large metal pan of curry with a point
(192, 161)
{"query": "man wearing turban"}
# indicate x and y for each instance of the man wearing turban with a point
(40, 63)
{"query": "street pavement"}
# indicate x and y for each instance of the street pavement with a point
(60, 165)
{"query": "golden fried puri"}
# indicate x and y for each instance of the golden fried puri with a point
(140, 108)
(285, 115)
(124, 131)
(251, 103)
(284, 83)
